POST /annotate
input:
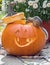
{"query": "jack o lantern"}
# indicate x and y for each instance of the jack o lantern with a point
(19, 39)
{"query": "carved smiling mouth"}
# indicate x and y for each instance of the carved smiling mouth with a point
(24, 42)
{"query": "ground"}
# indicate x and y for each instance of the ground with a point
(43, 56)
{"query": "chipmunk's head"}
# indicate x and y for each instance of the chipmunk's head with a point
(36, 20)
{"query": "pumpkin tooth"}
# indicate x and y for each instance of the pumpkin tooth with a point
(27, 40)
(18, 39)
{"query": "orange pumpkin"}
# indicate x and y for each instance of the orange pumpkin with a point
(19, 39)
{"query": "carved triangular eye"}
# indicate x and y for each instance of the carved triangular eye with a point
(17, 31)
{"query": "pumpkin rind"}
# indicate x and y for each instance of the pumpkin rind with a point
(18, 18)
(22, 33)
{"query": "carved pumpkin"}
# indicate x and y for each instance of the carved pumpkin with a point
(19, 39)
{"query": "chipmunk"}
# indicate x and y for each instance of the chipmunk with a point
(35, 20)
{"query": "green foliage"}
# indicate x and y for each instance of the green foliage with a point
(1, 28)
(0, 4)
(0, 1)
(9, 0)
(44, 13)
(2, 14)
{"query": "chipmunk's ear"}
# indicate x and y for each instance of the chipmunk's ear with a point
(29, 19)
(37, 21)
